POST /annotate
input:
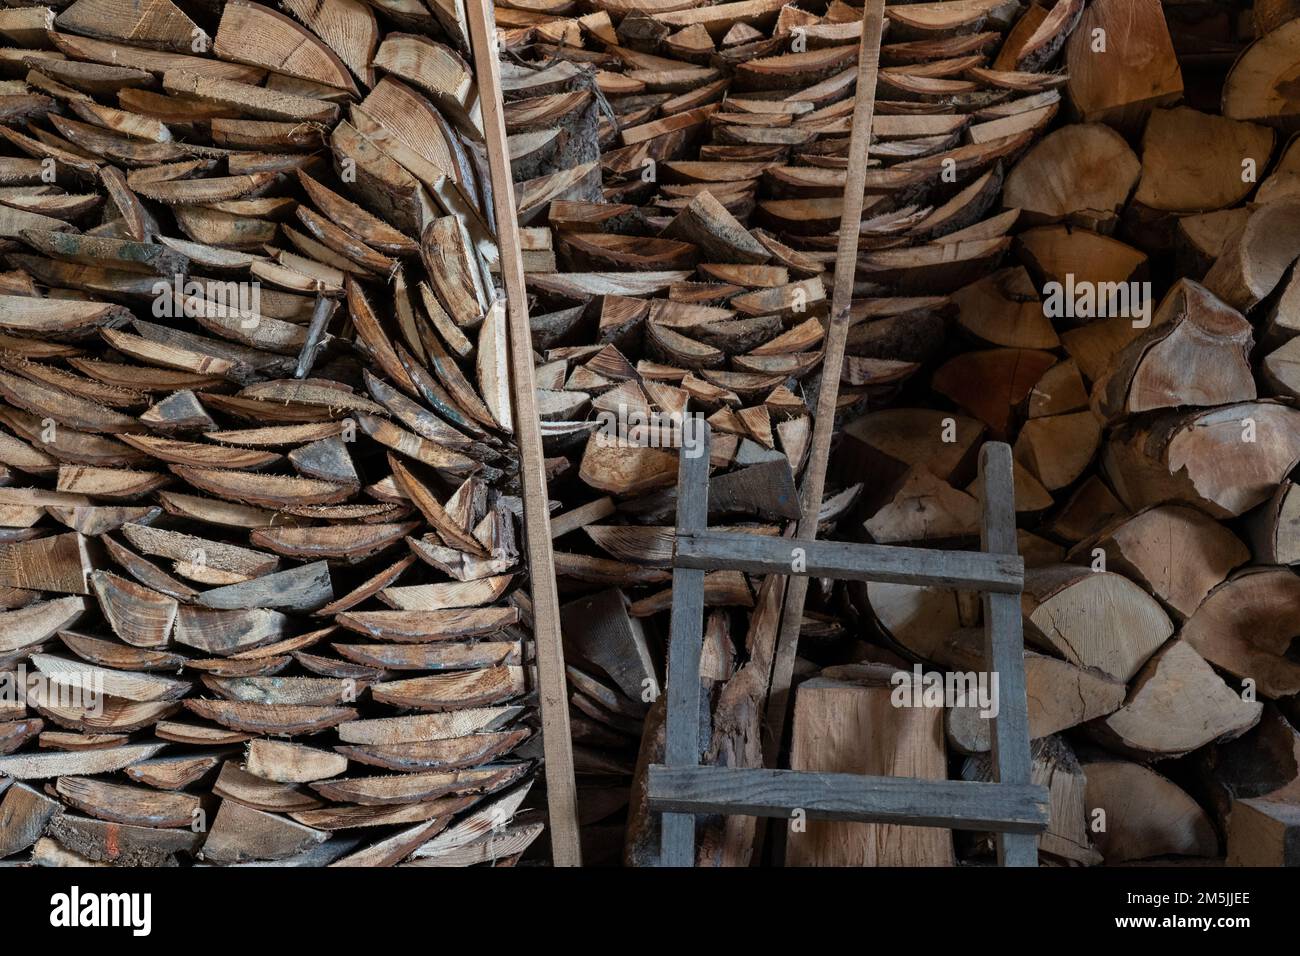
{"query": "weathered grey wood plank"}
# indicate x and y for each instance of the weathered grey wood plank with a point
(1004, 646)
(557, 743)
(686, 634)
(958, 804)
(761, 554)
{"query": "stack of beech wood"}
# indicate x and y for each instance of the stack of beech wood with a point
(680, 168)
(258, 573)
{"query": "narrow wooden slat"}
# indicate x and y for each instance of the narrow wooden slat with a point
(1004, 646)
(561, 789)
(814, 483)
(686, 634)
(957, 804)
(762, 554)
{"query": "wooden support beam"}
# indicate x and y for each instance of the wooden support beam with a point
(761, 554)
(561, 789)
(682, 723)
(958, 804)
(846, 255)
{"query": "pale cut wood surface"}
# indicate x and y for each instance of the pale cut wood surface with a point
(843, 727)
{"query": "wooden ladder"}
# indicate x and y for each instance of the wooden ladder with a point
(1011, 806)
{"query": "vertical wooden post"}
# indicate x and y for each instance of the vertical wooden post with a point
(846, 258)
(1004, 645)
(686, 635)
(561, 790)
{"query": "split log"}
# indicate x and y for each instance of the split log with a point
(1118, 75)
(1230, 459)
(1174, 551)
(1169, 185)
(1194, 333)
(1244, 627)
(240, 834)
(120, 844)
(1251, 264)
(834, 721)
(1263, 833)
(1251, 91)
(1061, 695)
(1068, 836)
(1082, 173)
(1260, 763)
(1093, 619)
(918, 619)
(1273, 527)
(24, 813)
(1177, 704)
(1145, 815)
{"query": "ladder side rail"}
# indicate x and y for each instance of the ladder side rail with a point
(1004, 647)
(686, 635)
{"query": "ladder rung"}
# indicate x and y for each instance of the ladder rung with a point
(956, 804)
(761, 554)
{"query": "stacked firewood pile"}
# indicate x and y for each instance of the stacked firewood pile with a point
(259, 580)
(1134, 346)
(1078, 236)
